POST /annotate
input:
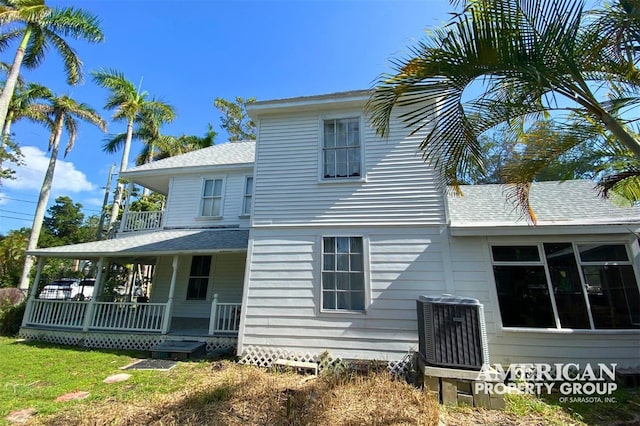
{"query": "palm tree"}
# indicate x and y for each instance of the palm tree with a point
(58, 114)
(22, 99)
(132, 106)
(531, 59)
(146, 130)
(43, 27)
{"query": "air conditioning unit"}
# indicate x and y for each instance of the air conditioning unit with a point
(452, 332)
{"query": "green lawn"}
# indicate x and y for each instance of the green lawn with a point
(33, 375)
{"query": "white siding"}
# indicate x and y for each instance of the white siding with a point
(185, 193)
(227, 276)
(399, 188)
(282, 306)
(473, 277)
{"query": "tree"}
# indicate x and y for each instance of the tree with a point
(61, 113)
(131, 106)
(19, 108)
(235, 119)
(12, 247)
(539, 155)
(39, 27)
(527, 60)
(63, 224)
(176, 145)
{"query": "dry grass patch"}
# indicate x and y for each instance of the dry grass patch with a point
(225, 393)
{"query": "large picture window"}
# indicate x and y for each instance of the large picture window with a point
(341, 148)
(343, 274)
(212, 198)
(199, 278)
(566, 285)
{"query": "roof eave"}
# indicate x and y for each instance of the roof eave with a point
(475, 230)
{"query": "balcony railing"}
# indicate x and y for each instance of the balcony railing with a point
(141, 221)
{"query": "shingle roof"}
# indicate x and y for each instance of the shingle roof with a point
(155, 243)
(229, 153)
(554, 203)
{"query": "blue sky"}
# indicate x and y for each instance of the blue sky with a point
(189, 52)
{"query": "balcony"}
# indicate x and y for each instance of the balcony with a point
(141, 221)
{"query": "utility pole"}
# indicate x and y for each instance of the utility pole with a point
(107, 190)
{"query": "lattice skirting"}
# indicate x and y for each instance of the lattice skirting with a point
(140, 342)
(265, 357)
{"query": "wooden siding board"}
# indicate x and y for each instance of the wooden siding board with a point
(283, 290)
(399, 186)
(183, 200)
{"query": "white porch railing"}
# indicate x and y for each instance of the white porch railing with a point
(123, 316)
(128, 316)
(57, 313)
(225, 317)
(141, 221)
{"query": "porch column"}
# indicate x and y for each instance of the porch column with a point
(33, 292)
(168, 312)
(97, 287)
(214, 314)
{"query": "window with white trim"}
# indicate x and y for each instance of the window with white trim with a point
(566, 285)
(343, 287)
(199, 278)
(341, 149)
(248, 195)
(211, 198)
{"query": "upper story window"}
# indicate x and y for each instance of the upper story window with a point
(248, 195)
(341, 149)
(343, 287)
(212, 198)
(567, 285)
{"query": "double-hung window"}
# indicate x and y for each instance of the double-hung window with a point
(566, 285)
(248, 195)
(211, 198)
(199, 278)
(343, 287)
(341, 149)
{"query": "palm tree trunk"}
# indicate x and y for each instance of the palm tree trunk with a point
(619, 132)
(117, 199)
(41, 207)
(12, 77)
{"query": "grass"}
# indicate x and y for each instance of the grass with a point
(33, 375)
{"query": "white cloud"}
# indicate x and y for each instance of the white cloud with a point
(66, 179)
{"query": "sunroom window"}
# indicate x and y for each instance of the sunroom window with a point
(341, 149)
(566, 285)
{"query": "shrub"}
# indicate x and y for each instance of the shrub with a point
(12, 305)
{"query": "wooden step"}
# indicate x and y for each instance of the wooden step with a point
(305, 367)
(178, 349)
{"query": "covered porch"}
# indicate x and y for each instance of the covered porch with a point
(178, 301)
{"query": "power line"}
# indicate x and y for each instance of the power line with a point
(16, 199)
(17, 218)
(10, 211)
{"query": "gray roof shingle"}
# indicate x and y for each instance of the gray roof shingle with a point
(554, 203)
(229, 153)
(155, 243)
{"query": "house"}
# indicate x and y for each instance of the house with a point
(318, 239)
